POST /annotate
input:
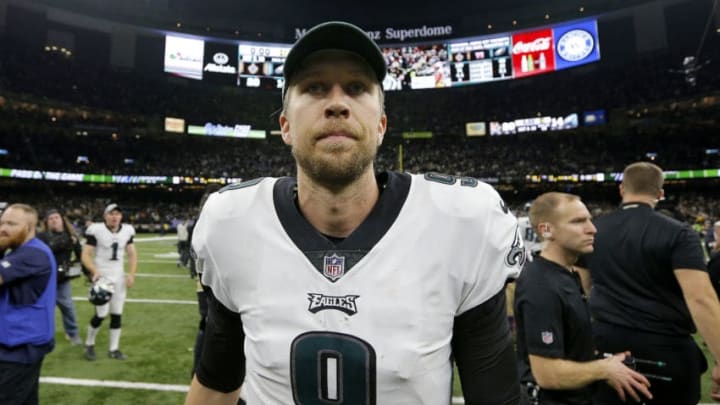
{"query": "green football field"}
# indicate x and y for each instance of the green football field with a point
(159, 325)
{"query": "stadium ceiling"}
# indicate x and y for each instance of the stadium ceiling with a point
(274, 17)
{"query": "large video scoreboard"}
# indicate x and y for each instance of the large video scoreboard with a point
(451, 63)
(261, 65)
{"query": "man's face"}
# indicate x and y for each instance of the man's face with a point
(333, 117)
(14, 228)
(113, 218)
(572, 228)
(55, 222)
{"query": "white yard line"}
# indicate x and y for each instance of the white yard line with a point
(166, 261)
(153, 275)
(155, 239)
(114, 384)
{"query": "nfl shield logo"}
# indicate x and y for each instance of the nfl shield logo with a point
(547, 337)
(334, 267)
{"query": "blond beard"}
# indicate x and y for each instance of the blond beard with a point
(335, 173)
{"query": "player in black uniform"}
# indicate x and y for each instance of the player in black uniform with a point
(651, 289)
(557, 360)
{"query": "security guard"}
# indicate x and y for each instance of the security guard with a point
(650, 290)
(555, 348)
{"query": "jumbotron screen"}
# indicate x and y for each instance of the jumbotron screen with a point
(451, 63)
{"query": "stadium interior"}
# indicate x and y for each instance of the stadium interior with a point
(86, 94)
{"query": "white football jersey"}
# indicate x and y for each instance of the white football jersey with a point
(370, 317)
(110, 247)
(532, 241)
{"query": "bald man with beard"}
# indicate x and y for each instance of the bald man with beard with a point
(27, 305)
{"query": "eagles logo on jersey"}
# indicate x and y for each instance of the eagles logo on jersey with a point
(319, 302)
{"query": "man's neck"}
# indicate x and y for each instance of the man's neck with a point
(337, 212)
(629, 198)
(558, 255)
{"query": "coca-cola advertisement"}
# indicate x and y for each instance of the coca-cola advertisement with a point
(533, 53)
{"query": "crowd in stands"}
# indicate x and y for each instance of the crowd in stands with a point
(50, 146)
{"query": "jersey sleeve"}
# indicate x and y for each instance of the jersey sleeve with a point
(206, 264)
(131, 236)
(222, 362)
(500, 253)
(484, 354)
(90, 238)
(541, 310)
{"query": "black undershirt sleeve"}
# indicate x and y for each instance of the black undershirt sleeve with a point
(222, 362)
(484, 354)
(90, 240)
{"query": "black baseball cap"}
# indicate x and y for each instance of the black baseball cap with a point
(112, 207)
(334, 35)
(52, 211)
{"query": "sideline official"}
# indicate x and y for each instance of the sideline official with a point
(555, 348)
(651, 289)
(27, 305)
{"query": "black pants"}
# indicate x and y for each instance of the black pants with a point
(184, 252)
(684, 360)
(19, 383)
(200, 337)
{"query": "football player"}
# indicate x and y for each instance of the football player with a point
(347, 286)
(103, 255)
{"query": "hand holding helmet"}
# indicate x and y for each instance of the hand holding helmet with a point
(101, 291)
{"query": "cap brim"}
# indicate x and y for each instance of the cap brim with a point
(334, 35)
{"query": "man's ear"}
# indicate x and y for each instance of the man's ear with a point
(285, 129)
(382, 127)
(545, 230)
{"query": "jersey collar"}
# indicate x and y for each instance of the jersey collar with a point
(635, 204)
(110, 229)
(318, 248)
